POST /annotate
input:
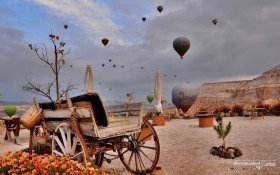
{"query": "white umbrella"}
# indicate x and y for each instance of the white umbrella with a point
(88, 83)
(158, 93)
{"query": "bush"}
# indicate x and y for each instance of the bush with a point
(27, 164)
(262, 105)
(220, 109)
(275, 109)
(237, 109)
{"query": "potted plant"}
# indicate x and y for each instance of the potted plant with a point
(223, 132)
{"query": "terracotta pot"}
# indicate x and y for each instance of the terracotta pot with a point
(159, 120)
(157, 171)
(206, 120)
(144, 133)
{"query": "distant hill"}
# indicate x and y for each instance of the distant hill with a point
(4, 103)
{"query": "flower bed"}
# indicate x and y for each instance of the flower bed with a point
(19, 163)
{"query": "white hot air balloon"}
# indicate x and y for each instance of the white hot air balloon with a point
(183, 96)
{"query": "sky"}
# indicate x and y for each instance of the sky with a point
(243, 44)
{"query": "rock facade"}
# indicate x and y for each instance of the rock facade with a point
(265, 88)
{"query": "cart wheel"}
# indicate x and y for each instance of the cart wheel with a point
(67, 140)
(141, 157)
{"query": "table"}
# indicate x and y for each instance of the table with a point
(257, 112)
(12, 124)
(206, 120)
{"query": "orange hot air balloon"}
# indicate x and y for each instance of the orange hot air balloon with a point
(105, 41)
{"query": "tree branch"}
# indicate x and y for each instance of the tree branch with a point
(37, 88)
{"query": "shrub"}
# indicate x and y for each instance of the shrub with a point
(237, 109)
(220, 109)
(29, 164)
(275, 109)
(262, 105)
(221, 130)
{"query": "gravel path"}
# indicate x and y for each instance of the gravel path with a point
(185, 147)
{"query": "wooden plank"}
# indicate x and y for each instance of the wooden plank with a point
(124, 107)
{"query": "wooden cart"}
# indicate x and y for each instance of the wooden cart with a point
(80, 128)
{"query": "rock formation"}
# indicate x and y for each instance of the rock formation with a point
(265, 88)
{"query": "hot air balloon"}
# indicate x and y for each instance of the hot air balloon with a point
(144, 19)
(99, 83)
(110, 60)
(10, 110)
(127, 94)
(110, 89)
(160, 8)
(215, 21)
(105, 41)
(181, 45)
(150, 98)
(114, 65)
(142, 67)
(183, 96)
(71, 66)
(164, 75)
(122, 66)
(103, 65)
(65, 26)
(175, 76)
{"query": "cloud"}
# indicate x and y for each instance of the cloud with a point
(92, 17)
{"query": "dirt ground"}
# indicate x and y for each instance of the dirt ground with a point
(185, 147)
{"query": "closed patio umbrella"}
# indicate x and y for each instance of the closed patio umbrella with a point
(88, 83)
(158, 93)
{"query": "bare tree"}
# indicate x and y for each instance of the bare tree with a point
(55, 64)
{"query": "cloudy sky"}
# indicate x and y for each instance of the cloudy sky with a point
(243, 44)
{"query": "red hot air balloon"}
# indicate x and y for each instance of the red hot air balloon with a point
(144, 19)
(160, 8)
(181, 45)
(105, 41)
(114, 65)
(183, 96)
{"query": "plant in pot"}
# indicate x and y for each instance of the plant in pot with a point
(222, 132)
(237, 109)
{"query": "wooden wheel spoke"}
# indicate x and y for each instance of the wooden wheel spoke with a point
(76, 155)
(140, 160)
(145, 137)
(148, 147)
(131, 155)
(65, 143)
(75, 141)
(60, 144)
(123, 152)
(57, 152)
(136, 162)
(146, 155)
